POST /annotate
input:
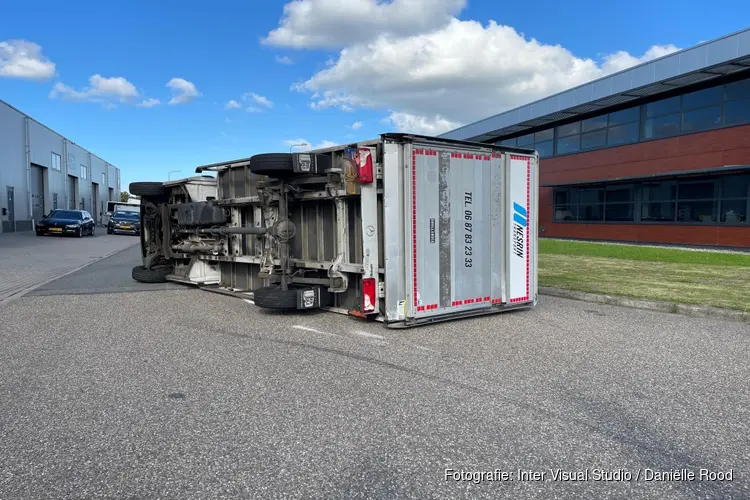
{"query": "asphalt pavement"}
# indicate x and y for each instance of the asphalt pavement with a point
(109, 388)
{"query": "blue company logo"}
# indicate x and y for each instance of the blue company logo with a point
(519, 224)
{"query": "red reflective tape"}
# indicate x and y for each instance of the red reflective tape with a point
(414, 222)
(478, 299)
(528, 221)
(487, 298)
(420, 308)
(495, 155)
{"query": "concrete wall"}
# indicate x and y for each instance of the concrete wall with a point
(43, 142)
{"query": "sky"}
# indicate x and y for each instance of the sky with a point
(158, 87)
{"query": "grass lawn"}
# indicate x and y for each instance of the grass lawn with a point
(686, 276)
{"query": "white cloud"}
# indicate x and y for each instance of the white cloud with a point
(258, 99)
(104, 90)
(308, 24)
(183, 91)
(148, 103)
(356, 125)
(622, 60)
(456, 73)
(284, 60)
(22, 59)
(232, 104)
(253, 109)
(432, 125)
(307, 146)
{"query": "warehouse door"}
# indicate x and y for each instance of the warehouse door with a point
(95, 201)
(72, 192)
(10, 225)
(37, 193)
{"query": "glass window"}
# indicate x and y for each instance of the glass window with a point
(591, 195)
(591, 212)
(562, 196)
(619, 194)
(663, 107)
(566, 212)
(735, 186)
(658, 212)
(663, 126)
(619, 212)
(525, 140)
(569, 144)
(55, 164)
(624, 116)
(507, 142)
(738, 90)
(737, 112)
(545, 148)
(701, 119)
(734, 211)
(594, 123)
(569, 129)
(659, 191)
(696, 211)
(622, 134)
(702, 190)
(703, 98)
(596, 139)
(544, 135)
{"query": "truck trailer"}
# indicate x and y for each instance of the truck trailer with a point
(404, 229)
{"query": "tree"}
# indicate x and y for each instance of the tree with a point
(124, 195)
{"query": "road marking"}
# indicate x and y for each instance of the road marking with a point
(425, 348)
(249, 301)
(368, 334)
(308, 329)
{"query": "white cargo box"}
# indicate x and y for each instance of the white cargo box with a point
(404, 229)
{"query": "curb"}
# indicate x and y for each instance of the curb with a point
(651, 305)
(17, 295)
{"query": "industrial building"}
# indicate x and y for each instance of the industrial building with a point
(656, 153)
(40, 170)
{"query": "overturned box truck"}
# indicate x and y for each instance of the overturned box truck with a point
(404, 229)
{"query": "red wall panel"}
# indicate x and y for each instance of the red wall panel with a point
(730, 146)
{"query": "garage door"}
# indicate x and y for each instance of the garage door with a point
(71, 192)
(37, 192)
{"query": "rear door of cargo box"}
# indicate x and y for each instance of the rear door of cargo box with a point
(462, 201)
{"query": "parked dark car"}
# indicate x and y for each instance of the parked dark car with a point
(67, 222)
(124, 222)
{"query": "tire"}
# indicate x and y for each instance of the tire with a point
(147, 189)
(109, 231)
(272, 164)
(93, 230)
(143, 275)
(39, 233)
(79, 232)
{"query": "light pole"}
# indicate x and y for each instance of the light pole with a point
(297, 146)
(169, 175)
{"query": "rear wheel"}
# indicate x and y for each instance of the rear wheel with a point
(272, 164)
(144, 275)
(147, 188)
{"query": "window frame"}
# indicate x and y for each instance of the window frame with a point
(55, 161)
(573, 202)
(740, 94)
